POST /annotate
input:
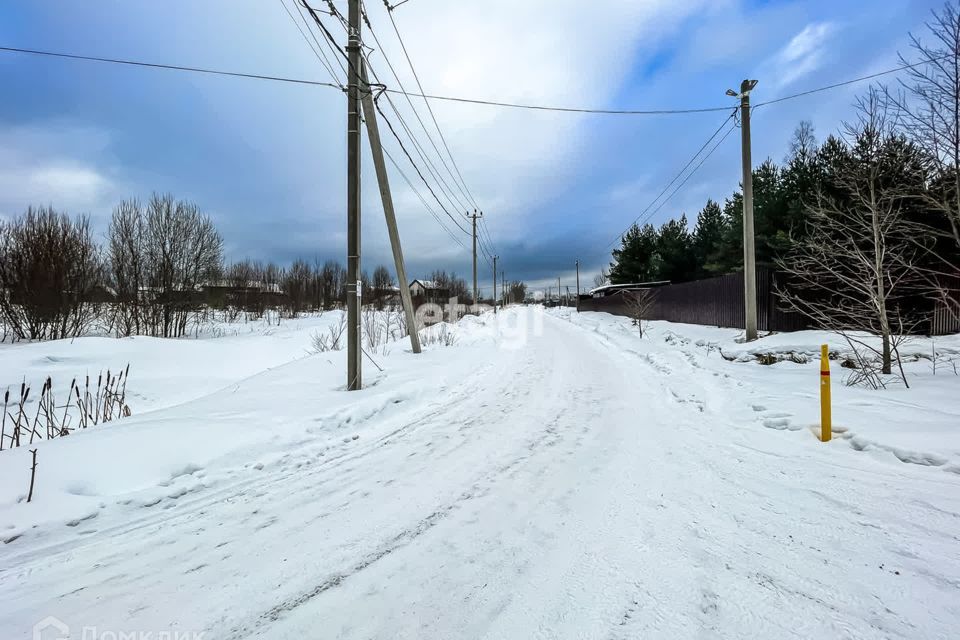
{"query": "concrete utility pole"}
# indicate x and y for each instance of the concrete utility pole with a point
(503, 287)
(578, 286)
(383, 180)
(474, 219)
(354, 377)
(559, 295)
(494, 297)
(749, 252)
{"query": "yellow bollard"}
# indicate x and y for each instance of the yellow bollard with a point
(826, 428)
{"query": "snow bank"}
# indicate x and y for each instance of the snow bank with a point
(920, 425)
(201, 410)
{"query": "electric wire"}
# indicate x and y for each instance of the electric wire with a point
(690, 175)
(330, 40)
(426, 205)
(334, 50)
(410, 159)
(429, 108)
(675, 178)
(172, 67)
(317, 50)
(287, 79)
(417, 146)
(461, 203)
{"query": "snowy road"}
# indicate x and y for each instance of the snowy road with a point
(566, 487)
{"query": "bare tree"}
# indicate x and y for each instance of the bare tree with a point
(332, 284)
(516, 292)
(383, 285)
(931, 109)
(49, 268)
(160, 257)
(855, 270)
(126, 254)
(639, 303)
(296, 285)
(804, 142)
(601, 278)
(456, 286)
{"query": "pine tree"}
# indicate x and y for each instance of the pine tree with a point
(637, 259)
(707, 238)
(675, 249)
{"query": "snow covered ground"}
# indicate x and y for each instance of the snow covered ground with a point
(549, 475)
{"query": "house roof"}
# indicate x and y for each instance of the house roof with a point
(427, 284)
(630, 286)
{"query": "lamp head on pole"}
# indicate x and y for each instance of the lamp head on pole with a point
(745, 88)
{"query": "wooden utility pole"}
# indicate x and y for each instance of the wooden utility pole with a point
(503, 286)
(559, 296)
(749, 252)
(474, 219)
(354, 300)
(494, 298)
(373, 134)
(578, 285)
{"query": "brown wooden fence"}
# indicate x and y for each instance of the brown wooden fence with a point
(719, 302)
(713, 301)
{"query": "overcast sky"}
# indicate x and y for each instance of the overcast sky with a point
(266, 160)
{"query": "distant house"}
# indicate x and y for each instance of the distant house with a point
(429, 291)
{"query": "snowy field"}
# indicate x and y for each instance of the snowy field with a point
(549, 475)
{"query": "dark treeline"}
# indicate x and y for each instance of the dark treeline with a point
(786, 200)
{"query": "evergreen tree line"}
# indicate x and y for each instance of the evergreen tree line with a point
(786, 199)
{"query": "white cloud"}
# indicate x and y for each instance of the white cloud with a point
(803, 54)
(537, 51)
(44, 166)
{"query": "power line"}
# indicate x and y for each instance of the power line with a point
(423, 126)
(318, 50)
(332, 42)
(513, 105)
(410, 159)
(429, 108)
(486, 229)
(432, 169)
(173, 67)
(329, 39)
(690, 175)
(426, 205)
(337, 53)
(853, 80)
(676, 177)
